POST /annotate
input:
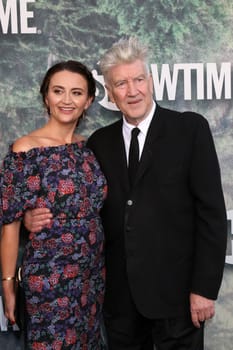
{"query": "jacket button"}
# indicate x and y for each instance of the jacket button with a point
(130, 202)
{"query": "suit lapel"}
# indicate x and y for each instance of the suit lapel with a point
(155, 132)
(120, 161)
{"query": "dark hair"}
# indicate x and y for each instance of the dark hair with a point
(71, 66)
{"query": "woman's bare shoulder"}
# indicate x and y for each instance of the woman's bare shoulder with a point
(24, 143)
(29, 141)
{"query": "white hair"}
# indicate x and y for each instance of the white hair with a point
(124, 51)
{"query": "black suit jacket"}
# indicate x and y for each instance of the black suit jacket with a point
(167, 236)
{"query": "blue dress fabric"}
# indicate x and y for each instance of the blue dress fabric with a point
(63, 265)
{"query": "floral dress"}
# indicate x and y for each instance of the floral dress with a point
(63, 265)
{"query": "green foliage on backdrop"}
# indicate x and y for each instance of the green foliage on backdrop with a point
(177, 31)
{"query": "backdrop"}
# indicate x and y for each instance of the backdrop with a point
(191, 54)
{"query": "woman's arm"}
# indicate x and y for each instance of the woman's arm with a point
(9, 253)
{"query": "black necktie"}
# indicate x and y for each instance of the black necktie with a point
(133, 155)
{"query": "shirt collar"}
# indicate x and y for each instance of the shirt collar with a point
(143, 126)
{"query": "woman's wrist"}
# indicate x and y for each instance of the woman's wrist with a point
(11, 278)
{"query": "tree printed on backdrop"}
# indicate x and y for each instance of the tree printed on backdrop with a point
(191, 53)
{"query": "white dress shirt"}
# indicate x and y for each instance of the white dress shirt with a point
(143, 126)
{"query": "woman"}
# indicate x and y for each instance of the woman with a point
(63, 265)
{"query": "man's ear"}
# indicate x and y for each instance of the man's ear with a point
(110, 95)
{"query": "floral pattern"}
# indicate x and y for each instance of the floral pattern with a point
(63, 265)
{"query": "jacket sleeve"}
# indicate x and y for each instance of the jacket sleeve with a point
(211, 221)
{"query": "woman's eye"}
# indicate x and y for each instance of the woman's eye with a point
(57, 91)
(77, 93)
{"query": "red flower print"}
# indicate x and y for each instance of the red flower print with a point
(20, 165)
(9, 191)
(83, 191)
(63, 314)
(92, 225)
(105, 191)
(35, 283)
(84, 249)
(83, 338)
(67, 237)
(56, 166)
(54, 278)
(100, 298)
(51, 243)
(86, 274)
(67, 250)
(5, 203)
(85, 205)
(71, 165)
(91, 321)
(33, 183)
(81, 214)
(77, 311)
(51, 196)
(86, 287)
(57, 345)
(71, 336)
(39, 346)
(41, 203)
(8, 177)
(89, 177)
(91, 158)
(18, 215)
(63, 302)
(71, 271)
(103, 273)
(31, 308)
(86, 167)
(83, 299)
(66, 186)
(92, 237)
(36, 244)
(56, 157)
(93, 309)
(46, 307)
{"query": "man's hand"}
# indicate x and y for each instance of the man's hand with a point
(36, 219)
(202, 309)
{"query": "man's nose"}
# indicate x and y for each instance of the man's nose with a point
(132, 90)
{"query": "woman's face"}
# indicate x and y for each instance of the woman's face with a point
(67, 96)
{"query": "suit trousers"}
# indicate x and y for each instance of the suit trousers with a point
(127, 329)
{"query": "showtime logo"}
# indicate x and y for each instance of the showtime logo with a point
(15, 18)
(201, 81)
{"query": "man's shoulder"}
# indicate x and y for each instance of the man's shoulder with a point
(184, 117)
(173, 113)
(107, 130)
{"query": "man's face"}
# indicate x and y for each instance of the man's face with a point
(130, 87)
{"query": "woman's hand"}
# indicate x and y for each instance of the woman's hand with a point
(36, 219)
(9, 299)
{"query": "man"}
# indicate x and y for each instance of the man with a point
(166, 229)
